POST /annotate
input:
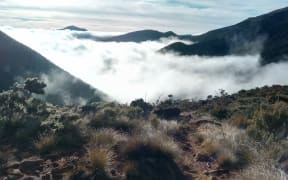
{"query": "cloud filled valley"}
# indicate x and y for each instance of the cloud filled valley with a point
(126, 71)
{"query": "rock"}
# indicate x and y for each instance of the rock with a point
(80, 175)
(30, 178)
(217, 172)
(31, 166)
(204, 121)
(52, 157)
(284, 166)
(58, 172)
(204, 158)
(46, 177)
(12, 165)
(14, 172)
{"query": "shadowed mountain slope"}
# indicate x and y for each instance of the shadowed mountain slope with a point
(266, 34)
(18, 62)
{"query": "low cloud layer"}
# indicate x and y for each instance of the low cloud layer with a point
(126, 71)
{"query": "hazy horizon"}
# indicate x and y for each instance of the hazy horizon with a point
(180, 16)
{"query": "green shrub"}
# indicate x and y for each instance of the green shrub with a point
(20, 131)
(69, 138)
(21, 116)
(109, 118)
(134, 112)
(220, 112)
(140, 103)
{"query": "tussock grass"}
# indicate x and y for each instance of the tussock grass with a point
(101, 160)
(151, 157)
(46, 143)
(106, 138)
(227, 145)
(139, 147)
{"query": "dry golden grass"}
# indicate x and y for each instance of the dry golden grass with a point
(227, 144)
(46, 143)
(239, 121)
(263, 171)
(155, 142)
(235, 149)
(101, 159)
(210, 148)
(106, 138)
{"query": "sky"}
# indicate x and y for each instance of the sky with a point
(181, 16)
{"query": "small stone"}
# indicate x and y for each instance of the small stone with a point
(13, 164)
(14, 172)
(46, 177)
(30, 166)
(204, 158)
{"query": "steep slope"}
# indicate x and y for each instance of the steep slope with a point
(19, 62)
(136, 36)
(266, 34)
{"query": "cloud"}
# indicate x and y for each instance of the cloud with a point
(182, 16)
(127, 71)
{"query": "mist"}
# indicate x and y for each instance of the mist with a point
(126, 71)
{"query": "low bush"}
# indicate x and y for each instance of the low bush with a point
(108, 119)
(69, 138)
(220, 112)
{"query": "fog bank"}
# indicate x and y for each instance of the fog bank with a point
(126, 71)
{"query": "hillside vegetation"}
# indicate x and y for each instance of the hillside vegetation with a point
(238, 136)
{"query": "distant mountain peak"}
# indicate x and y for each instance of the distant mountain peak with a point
(74, 28)
(170, 33)
(135, 36)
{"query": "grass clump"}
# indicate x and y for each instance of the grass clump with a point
(227, 146)
(106, 138)
(66, 140)
(151, 158)
(46, 143)
(101, 160)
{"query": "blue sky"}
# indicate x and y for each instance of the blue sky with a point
(181, 16)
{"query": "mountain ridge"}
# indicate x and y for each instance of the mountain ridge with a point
(135, 36)
(271, 28)
(74, 28)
